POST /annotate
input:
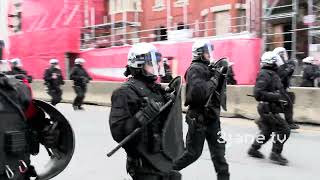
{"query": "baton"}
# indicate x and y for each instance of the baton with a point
(138, 130)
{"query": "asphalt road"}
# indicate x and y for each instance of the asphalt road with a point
(93, 141)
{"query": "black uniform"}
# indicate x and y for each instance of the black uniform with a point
(80, 78)
(267, 92)
(168, 74)
(53, 80)
(230, 77)
(285, 73)
(135, 99)
(203, 125)
(19, 71)
(22, 128)
(310, 73)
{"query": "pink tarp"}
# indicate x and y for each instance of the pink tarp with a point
(49, 29)
(244, 53)
(52, 28)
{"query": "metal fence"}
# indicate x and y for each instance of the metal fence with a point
(123, 33)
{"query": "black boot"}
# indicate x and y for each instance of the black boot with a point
(255, 153)
(80, 108)
(278, 159)
(75, 108)
(223, 177)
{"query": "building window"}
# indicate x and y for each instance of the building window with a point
(181, 3)
(161, 34)
(118, 6)
(158, 5)
(15, 17)
(222, 22)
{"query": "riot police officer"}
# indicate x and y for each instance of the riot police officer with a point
(167, 72)
(22, 127)
(4, 67)
(310, 72)
(134, 104)
(285, 72)
(53, 80)
(80, 79)
(230, 75)
(267, 93)
(201, 84)
(16, 69)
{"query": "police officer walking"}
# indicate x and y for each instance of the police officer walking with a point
(203, 125)
(16, 69)
(134, 104)
(267, 92)
(53, 80)
(22, 127)
(80, 79)
(311, 72)
(167, 72)
(285, 73)
(230, 75)
(4, 67)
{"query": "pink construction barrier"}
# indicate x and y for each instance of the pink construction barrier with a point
(107, 64)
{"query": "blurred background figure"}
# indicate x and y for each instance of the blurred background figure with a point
(230, 75)
(167, 72)
(17, 69)
(4, 66)
(285, 72)
(53, 80)
(80, 79)
(311, 72)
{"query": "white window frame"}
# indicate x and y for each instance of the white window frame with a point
(158, 5)
(181, 3)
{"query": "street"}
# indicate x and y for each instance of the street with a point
(93, 141)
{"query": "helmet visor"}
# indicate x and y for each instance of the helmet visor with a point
(154, 64)
(208, 49)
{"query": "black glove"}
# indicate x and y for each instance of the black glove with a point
(149, 112)
(49, 136)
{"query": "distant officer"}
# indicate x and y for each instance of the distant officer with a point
(80, 79)
(267, 93)
(230, 76)
(167, 72)
(4, 66)
(53, 80)
(311, 72)
(285, 72)
(17, 69)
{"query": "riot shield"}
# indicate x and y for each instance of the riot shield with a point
(221, 67)
(61, 155)
(172, 136)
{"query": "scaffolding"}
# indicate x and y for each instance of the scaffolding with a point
(303, 17)
(116, 33)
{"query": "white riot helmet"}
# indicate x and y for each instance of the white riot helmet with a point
(200, 47)
(271, 59)
(4, 66)
(310, 60)
(79, 61)
(282, 52)
(54, 61)
(16, 62)
(143, 54)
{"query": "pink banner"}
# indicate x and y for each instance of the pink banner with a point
(108, 64)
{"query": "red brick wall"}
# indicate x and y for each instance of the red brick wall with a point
(151, 19)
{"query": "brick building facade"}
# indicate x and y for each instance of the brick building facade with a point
(130, 21)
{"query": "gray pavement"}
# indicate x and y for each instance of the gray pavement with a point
(93, 141)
